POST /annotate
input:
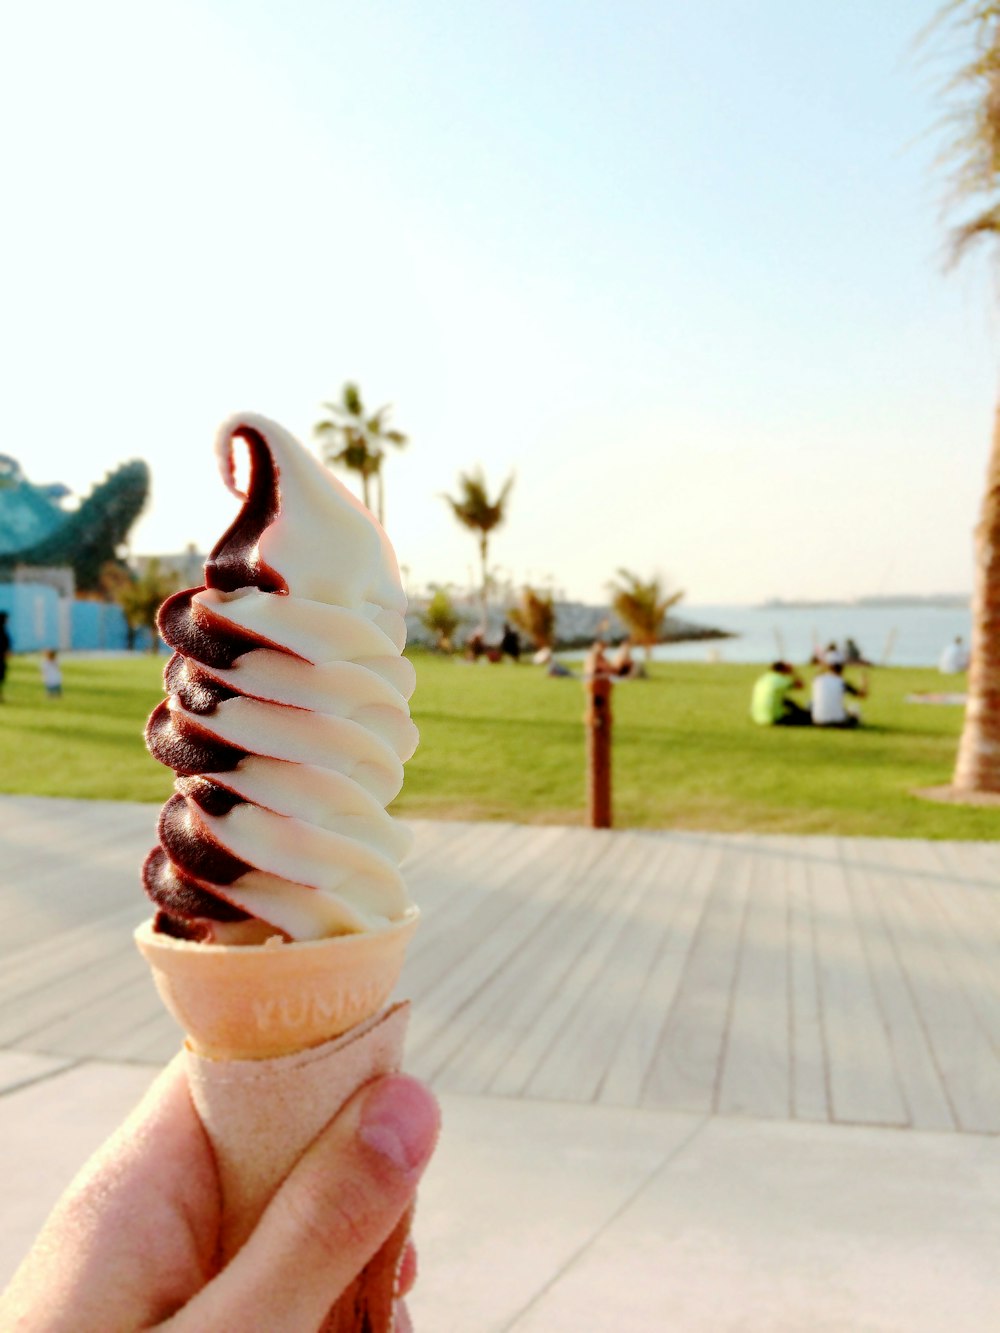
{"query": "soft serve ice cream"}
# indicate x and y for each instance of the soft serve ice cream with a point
(286, 720)
(282, 922)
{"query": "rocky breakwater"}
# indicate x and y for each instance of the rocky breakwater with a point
(577, 625)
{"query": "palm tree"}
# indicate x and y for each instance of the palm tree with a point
(355, 440)
(642, 606)
(536, 617)
(441, 618)
(140, 597)
(975, 150)
(475, 510)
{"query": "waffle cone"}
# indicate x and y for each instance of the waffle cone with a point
(278, 1040)
(254, 1002)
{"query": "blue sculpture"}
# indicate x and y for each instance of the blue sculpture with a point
(36, 531)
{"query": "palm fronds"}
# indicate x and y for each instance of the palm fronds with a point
(476, 511)
(354, 439)
(973, 120)
(642, 605)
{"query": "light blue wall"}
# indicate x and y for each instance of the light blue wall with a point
(34, 615)
(97, 625)
(38, 619)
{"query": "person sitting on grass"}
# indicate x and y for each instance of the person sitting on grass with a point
(510, 643)
(770, 705)
(596, 663)
(475, 646)
(829, 698)
(829, 656)
(623, 664)
(955, 658)
(553, 667)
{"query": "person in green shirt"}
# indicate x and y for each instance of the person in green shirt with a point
(771, 706)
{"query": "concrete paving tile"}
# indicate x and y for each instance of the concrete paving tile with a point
(787, 1227)
(545, 1217)
(514, 1191)
(20, 1067)
(47, 1131)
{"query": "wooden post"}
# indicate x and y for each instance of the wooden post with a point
(597, 719)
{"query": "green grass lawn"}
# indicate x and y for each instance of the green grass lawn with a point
(505, 742)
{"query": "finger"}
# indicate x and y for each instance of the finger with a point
(403, 1323)
(407, 1275)
(329, 1218)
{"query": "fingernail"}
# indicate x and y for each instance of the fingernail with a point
(399, 1120)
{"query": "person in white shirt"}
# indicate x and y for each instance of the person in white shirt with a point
(829, 698)
(51, 673)
(955, 658)
(832, 655)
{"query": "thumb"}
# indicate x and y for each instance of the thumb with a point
(330, 1217)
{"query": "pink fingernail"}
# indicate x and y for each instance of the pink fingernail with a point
(400, 1121)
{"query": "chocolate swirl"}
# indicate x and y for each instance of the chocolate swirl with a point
(286, 719)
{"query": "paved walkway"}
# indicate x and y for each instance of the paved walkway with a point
(690, 1081)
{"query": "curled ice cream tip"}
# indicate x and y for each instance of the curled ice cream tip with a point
(286, 720)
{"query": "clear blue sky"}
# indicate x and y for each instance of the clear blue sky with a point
(678, 265)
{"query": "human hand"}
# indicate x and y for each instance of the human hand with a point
(132, 1243)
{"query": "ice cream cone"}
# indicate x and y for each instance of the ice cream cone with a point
(278, 1039)
(253, 1002)
(287, 724)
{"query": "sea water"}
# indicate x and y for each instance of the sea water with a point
(907, 634)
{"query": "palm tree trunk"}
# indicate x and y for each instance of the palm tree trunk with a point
(978, 766)
(380, 497)
(483, 547)
(364, 489)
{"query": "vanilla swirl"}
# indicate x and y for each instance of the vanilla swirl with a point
(286, 720)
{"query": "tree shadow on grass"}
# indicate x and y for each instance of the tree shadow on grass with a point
(491, 723)
(119, 740)
(122, 696)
